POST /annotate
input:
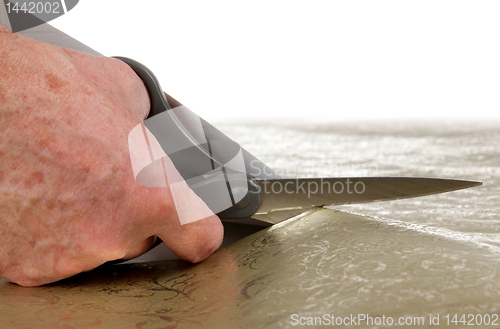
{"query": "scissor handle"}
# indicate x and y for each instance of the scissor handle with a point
(248, 205)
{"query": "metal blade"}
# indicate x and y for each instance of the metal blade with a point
(283, 198)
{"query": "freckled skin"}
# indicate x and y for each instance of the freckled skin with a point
(68, 198)
(54, 83)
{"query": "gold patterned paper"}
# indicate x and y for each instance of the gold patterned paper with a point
(324, 262)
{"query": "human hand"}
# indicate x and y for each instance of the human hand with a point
(68, 198)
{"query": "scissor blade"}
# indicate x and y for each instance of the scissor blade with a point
(293, 195)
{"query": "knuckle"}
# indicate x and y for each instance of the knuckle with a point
(133, 85)
(123, 68)
(208, 243)
(127, 75)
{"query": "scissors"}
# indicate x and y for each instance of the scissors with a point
(240, 188)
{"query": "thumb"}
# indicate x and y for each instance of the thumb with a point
(176, 214)
(201, 232)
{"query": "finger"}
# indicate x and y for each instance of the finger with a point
(141, 248)
(158, 215)
(195, 241)
(191, 230)
(174, 213)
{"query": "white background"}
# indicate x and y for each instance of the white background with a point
(320, 60)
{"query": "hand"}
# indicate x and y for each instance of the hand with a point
(68, 198)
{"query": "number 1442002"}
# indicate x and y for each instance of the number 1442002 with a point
(472, 319)
(33, 7)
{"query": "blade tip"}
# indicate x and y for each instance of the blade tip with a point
(471, 183)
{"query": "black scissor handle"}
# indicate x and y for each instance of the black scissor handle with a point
(247, 206)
